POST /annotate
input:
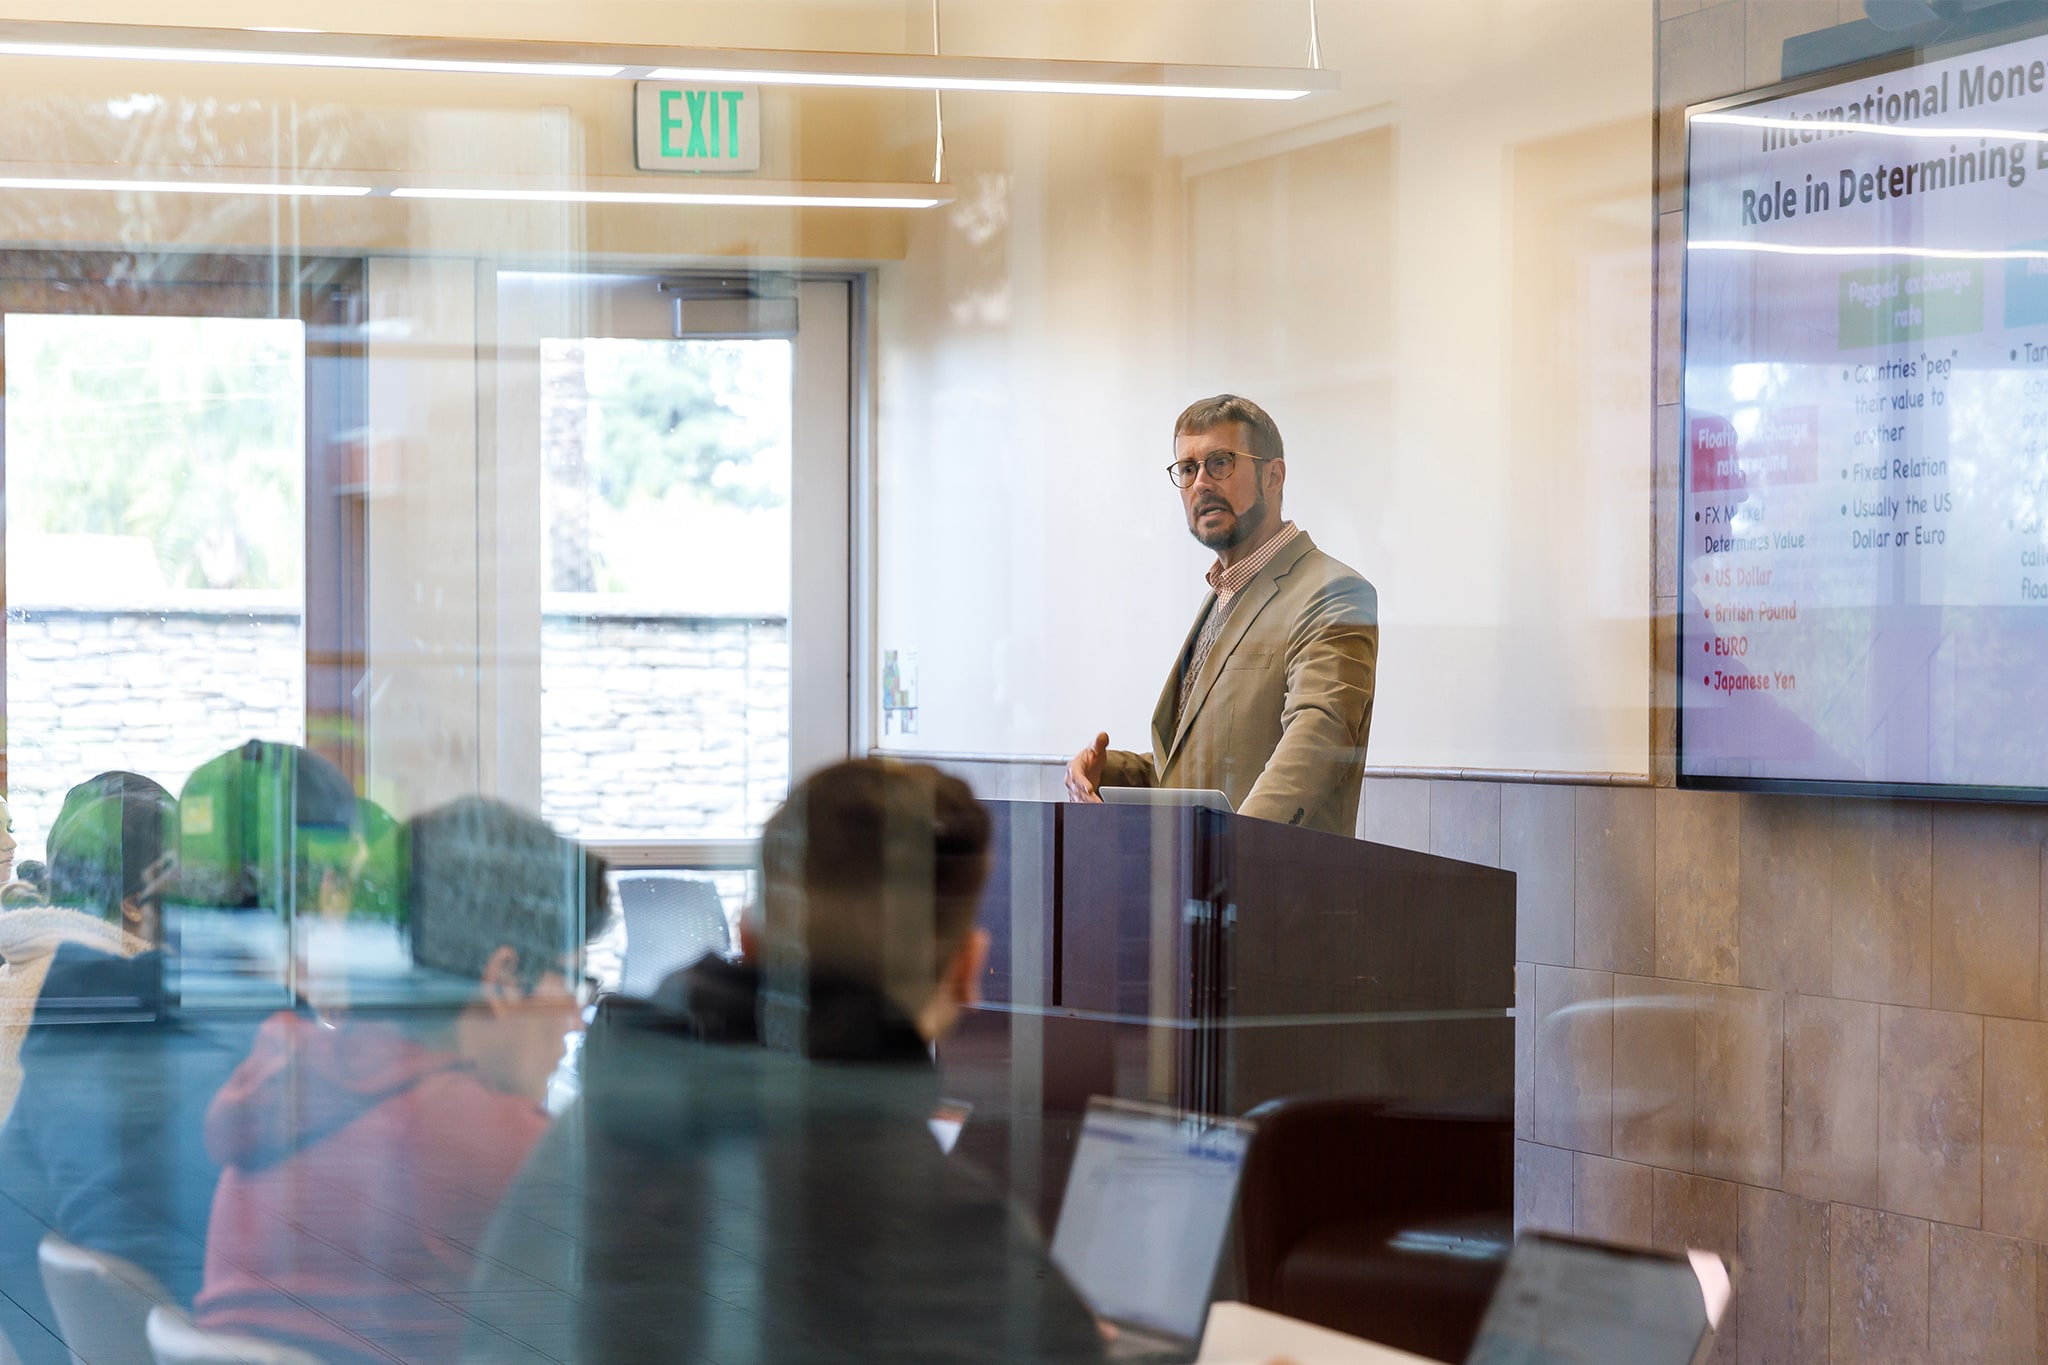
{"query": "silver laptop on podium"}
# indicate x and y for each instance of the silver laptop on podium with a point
(1206, 798)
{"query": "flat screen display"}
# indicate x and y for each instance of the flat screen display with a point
(1864, 545)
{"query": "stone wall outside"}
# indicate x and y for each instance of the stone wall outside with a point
(154, 692)
(663, 726)
(653, 726)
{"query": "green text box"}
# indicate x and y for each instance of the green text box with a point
(1910, 302)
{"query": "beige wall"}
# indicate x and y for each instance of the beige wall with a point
(421, 574)
(1438, 280)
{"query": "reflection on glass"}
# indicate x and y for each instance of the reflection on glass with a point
(665, 638)
(499, 548)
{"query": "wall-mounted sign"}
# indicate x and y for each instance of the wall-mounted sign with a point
(691, 126)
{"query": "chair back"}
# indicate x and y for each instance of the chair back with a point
(671, 920)
(175, 1340)
(102, 1303)
(1323, 1159)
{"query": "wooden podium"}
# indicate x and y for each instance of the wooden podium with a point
(1215, 962)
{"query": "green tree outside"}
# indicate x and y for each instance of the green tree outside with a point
(186, 432)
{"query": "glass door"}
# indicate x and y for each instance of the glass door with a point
(686, 441)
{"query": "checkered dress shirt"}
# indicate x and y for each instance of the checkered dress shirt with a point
(1227, 584)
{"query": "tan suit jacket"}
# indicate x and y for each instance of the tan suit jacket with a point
(1278, 716)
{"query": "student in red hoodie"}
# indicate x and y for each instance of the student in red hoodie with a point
(364, 1155)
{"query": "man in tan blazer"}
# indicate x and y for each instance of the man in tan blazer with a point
(1270, 698)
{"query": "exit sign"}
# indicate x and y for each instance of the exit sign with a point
(692, 126)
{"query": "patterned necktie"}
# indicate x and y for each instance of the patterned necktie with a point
(1212, 628)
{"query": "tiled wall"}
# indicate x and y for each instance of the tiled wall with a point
(1805, 1033)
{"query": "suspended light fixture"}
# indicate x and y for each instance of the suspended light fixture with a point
(703, 193)
(284, 48)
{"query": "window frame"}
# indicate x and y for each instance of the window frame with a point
(828, 580)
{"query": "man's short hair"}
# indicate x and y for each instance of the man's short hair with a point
(1225, 408)
(872, 873)
(487, 875)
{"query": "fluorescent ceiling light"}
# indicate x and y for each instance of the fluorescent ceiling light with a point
(1803, 125)
(913, 80)
(328, 60)
(185, 187)
(1931, 253)
(280, 47)
(719, 193)
(757, 199)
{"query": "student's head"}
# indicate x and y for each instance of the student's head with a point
(500, 901)
(110, 851)
(872, 874)
(1231, 469)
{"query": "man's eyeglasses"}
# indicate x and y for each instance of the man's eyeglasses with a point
(1220, 465)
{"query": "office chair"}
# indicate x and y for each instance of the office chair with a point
(175, 1340)
(671, 921)
(102, 1303)
(1375, 1221)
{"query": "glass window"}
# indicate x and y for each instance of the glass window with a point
(155, 471)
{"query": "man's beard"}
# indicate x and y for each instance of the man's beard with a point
(1242, 527)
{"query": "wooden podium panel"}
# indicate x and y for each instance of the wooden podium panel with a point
(1215, 962)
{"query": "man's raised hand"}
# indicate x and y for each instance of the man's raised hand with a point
(1084, 773)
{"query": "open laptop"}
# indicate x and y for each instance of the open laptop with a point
(1562, 1301)
(1206, 798)
(1144, 1219)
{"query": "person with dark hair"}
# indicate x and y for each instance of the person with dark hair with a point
(100, 1143)
(1270, 698)
(363, 1154)
(108, 869)
(111, 850)
(750, 1175)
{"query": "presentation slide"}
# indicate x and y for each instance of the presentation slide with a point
(1865, 539)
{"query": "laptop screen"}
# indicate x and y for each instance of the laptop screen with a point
(1145, 1213)
(1563, 1301)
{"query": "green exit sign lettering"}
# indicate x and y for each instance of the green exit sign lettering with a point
(696, 127)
